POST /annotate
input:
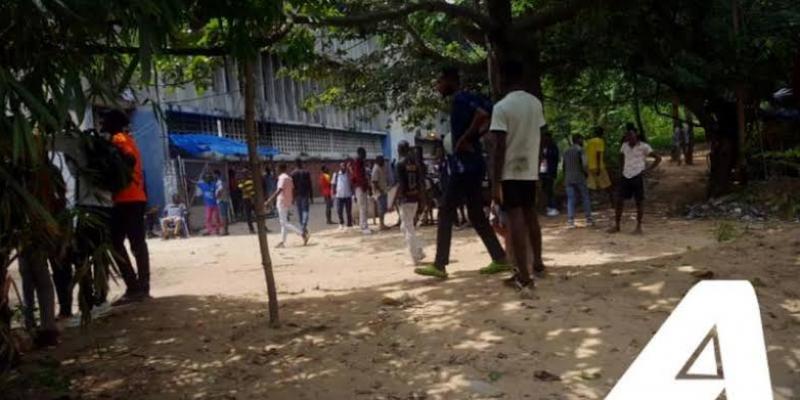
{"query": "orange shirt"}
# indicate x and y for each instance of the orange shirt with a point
(325, 184)
(135, 191)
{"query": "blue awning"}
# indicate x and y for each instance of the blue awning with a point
(213, 147)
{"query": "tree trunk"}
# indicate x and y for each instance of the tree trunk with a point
(637, 111)
(499, 46)
(796, 79)
(688, 155)
(718, 119)
(722, 160)
(721, 132)
(255, 172)
(676, 121)
(741, 121)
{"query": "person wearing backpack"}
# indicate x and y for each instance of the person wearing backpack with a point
(127, 216)
(96, 170)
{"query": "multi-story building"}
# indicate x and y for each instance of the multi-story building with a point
(325, 135)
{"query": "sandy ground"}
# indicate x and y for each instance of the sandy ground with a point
(358, 324)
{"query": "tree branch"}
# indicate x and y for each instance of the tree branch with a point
(552, 16)
(426, 51)
(376, 16)
(213, 51)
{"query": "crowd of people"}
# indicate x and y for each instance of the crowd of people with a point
(487, 168)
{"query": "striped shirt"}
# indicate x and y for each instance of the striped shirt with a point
(248, 189)
(574, 162)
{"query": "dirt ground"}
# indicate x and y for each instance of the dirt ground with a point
(358, 324)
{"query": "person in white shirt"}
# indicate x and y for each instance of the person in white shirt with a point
(634, 166)
(284, 198)
(174, 220)
(343, 192)
(517, 122)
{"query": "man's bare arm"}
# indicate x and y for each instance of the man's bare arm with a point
(477, 128)
(656, 162)
(498, 160)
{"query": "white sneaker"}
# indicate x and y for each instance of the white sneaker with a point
(101, 310)
(341, 227)
(366, 231)
(571, 225)
(552, 212)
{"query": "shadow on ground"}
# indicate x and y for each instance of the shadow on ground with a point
(467, 338)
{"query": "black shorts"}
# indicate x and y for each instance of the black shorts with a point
(519, 194)
(632, 188)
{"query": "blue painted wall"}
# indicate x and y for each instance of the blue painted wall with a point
(386, 144)
(147, 131)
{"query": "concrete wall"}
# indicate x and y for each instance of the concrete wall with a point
(150, 138)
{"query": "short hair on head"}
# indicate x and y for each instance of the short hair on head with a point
(577, 138)
(114, 120)
(512, 71)
(599, 131)
(298, 161)
(217, 172)
(282, 167)
(451, 72)
(361, 150)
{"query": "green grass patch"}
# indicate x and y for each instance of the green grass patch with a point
(725, 232)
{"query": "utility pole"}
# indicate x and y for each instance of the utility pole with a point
(256, 174)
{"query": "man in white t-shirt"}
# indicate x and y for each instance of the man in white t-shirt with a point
(284, 198)
(634, 166)
(343, 193)
(517, 122)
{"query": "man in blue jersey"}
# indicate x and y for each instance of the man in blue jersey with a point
(469, 120)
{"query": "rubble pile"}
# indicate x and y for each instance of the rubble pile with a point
(729, 207)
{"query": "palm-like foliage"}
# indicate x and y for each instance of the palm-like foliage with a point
(57, 59)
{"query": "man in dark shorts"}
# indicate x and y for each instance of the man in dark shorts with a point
(634, 166)
(469, 117)
(517, 122)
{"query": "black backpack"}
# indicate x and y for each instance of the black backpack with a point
(107, 167)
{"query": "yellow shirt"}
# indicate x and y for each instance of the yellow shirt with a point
(594, 146)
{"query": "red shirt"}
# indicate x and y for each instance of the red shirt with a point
(135, 190)
(359, 175)
(325, 185)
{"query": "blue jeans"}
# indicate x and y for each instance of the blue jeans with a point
(573, 189)
(224, 212)
(303, 211)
